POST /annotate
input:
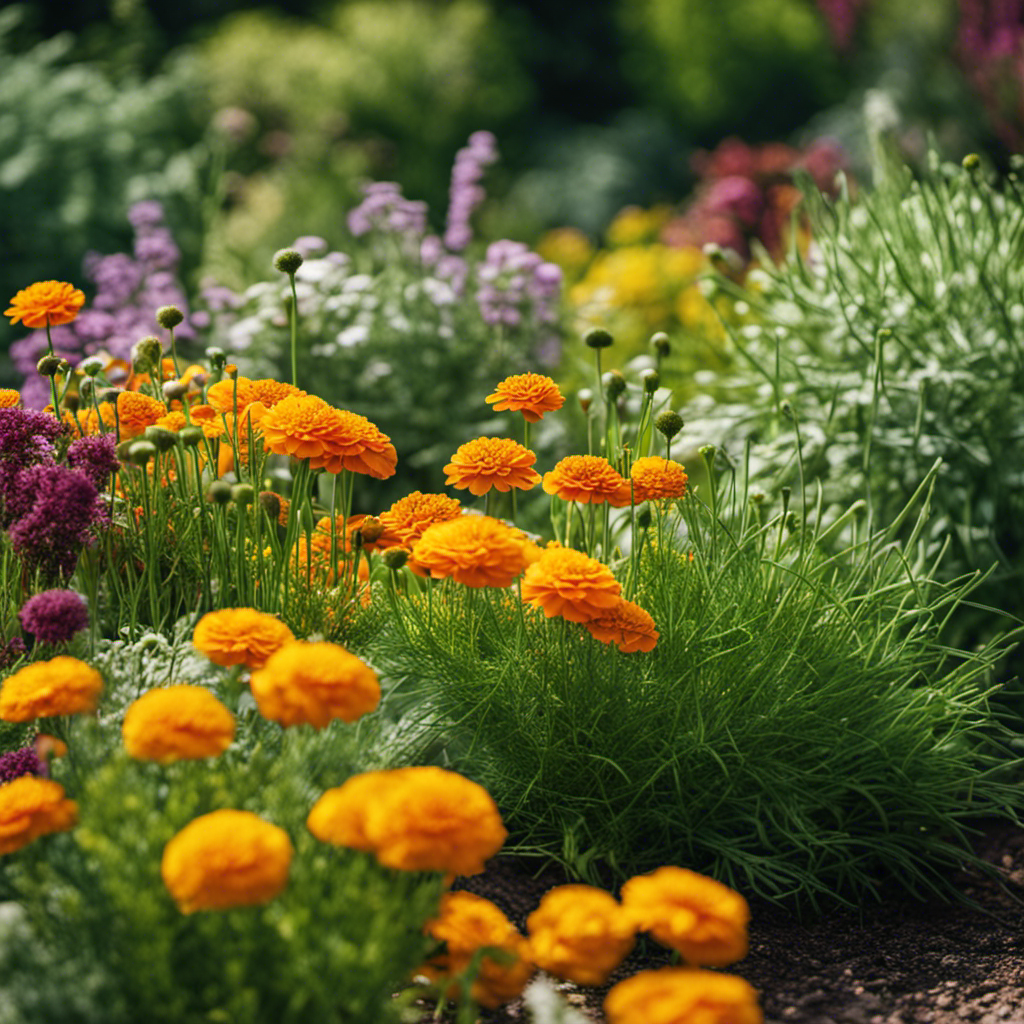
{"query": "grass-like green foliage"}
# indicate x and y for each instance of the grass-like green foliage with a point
(95, 937)
(799, 731)
(898, 340)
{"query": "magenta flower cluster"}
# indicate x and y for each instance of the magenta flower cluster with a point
(129, 288)
(24, 761)
(54, 616)
(466, 193)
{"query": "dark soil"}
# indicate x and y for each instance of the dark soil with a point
(888, 963)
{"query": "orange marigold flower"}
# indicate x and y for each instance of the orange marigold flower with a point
(435, 820)
(60, 686)
(313, 683)
(466, 924)
(701, 918)
(173, 421)
(672, 995)
(488, 462)
(177, 723)
(9, 398)
(571, 584)
(532, 394)
(587, 478)
(31, 807)
(414, 819)
(221, 396)
(579, 933)
(339, 816)
(625, 624)
(204, 414)
(226, 859)
(270, 391)
(240, 636)
(46, 302)
(135, 412)
(306, 427)
(410, 516)
(655, 477)
(477, 551)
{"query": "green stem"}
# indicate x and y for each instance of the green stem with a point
(293, 318)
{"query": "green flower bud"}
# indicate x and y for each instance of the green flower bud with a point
(191, 436)
(242, 494)
(597, 337)
(85, 388)
(168, 317)
(163, 440)
(586, 397)
(140, 452)
(91, 366)
(661, 344)
(219, 492)
(651, 380)
(708, 452)
(147, 354)
(271, 504)
(971, 162)
(287, 260)
(173, 389)
(111, 394)
(49, 366)
(786, 408)
(122, 449)
(669, 423)
(217, 357)
(395, 558)
(614, 384)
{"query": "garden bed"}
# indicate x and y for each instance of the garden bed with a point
(893, 962)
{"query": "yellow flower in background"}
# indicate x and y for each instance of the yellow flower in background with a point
(177, 723)
(314, 683)
(701, 918)
(31, 807)
(569, 248)
(60, 686)
(468, 923)
(679, 995)
(46, 302)
(240, 636)
(634, 225)
(226, 859)
(579, 933)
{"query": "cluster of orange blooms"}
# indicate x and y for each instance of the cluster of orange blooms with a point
(582, 934)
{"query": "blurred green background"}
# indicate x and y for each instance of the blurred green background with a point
(256, 124)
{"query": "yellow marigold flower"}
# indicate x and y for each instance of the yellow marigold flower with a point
(654, 477)
(435, 820)
(313, 683)
(9, 398)
(306, 427)
(226, 859)
(625, 624)
(46, 302)
(270, 391)
(532, 394)
(414, 819)
(135, 412)
(587, 478)
(571, 584)
(488, 462)
(177, 723)
(173, 421)
(477, 551)
(468, 923)
(31, 807)
(579, 933)
(339, 816)
(701, 918)
(240, 636)
(409, 517)
(60, 686)
(674, 995)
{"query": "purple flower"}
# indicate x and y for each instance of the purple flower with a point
(310, 245)
(56, 511)
(54, 616)
(146, 214)
(96, 457)
(24, 761)
(464, 193)
(735, 196)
